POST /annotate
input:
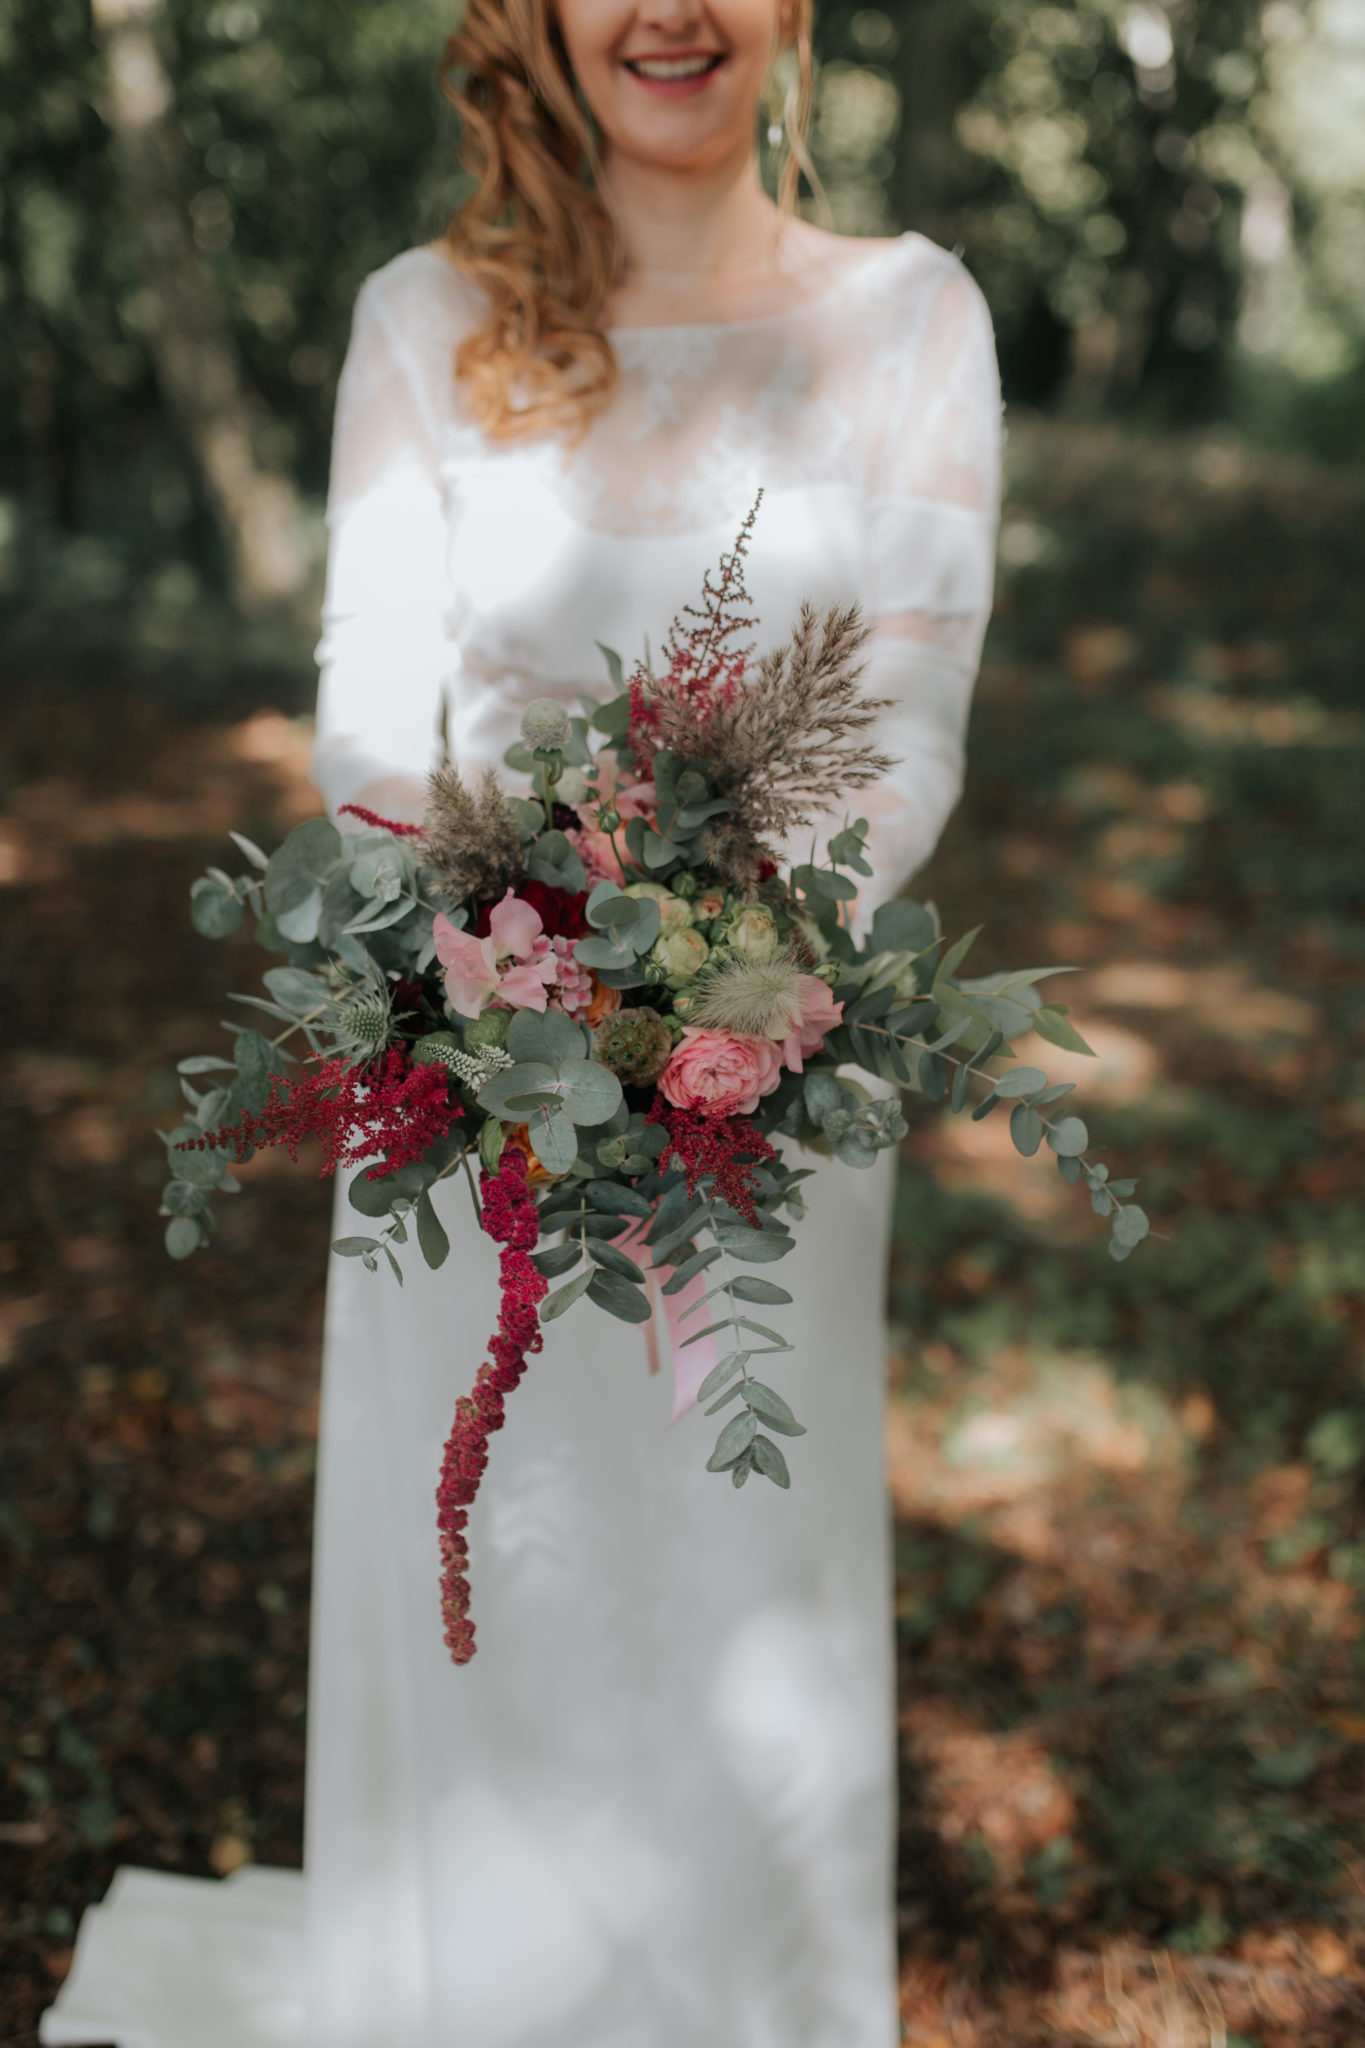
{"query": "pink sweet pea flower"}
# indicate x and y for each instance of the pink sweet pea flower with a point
(477, 970)
(819, 1014)
(471, 968)
(514, 928)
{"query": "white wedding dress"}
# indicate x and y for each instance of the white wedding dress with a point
(657, 1809)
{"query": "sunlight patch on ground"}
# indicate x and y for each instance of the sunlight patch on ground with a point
(1223, 999)
(1025, 1424)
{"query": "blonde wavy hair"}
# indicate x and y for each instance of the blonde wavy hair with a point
(534, 235)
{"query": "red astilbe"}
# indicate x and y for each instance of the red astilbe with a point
(727, 1147)
(391, 1107)
(509, 1216)
(705, 666)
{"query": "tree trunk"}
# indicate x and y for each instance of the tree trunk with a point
(933, 72)
(192, 344)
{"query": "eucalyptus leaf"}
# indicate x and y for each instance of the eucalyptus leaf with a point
(215, 913)
(299, 924)
(772, 1409)
(957, 953)
(614, 1200)
(1020, 1081)
(756, 1247)
(613, 1260)
(745, 1287)
(1026, 1129)
(564, 1297)
(553, 1139)
(619, 1298)
(769, 1461)
(545, 1035)
(1051, 1022)
(183, 1236)
(591, 1092)
(902, 927)
(532, 1077)
(556, 1259)
(252, 1052)
(822, 1094)
(297, 992)
(295, 869)
(932, 1075)
(432, 1241)
(719, 1374)
(250, 849)
(690, 1268)
(1068, 1138)
(732, 1442)
(1130, 1225)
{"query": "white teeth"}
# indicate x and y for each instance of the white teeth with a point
(670, 67)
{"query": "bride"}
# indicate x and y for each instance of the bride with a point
(657, 1810)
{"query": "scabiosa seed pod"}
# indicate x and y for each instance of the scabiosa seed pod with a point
(544, 725)
(635, 1044)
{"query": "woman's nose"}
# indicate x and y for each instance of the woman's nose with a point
(673, 18)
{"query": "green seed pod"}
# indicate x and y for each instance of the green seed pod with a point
(490, 1029)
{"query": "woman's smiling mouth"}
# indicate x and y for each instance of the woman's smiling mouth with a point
(675, 75)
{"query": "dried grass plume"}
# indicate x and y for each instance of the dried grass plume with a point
(794, 740)
(471, 845)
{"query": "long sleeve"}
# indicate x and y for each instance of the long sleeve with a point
(932, 519)
(386, 657)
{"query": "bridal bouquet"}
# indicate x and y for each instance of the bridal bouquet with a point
(606, 998)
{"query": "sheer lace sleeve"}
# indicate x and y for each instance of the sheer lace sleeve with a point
(933, 510)
(386, 656)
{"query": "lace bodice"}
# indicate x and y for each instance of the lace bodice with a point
(467, 576)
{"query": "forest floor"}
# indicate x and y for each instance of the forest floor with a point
(1131, 1540)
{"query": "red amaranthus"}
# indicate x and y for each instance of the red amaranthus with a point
(727, 1147)
(391, 1107)
(705, 667)
(509, 1215)
(385, 824)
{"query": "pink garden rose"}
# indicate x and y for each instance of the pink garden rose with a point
(720, 1073)
(819, 1014)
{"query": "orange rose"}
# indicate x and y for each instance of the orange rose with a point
(537, 1176)
(602, 1002)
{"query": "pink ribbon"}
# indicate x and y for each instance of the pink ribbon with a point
(690, 1364)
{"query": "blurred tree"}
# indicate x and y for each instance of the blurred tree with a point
(189, 328)
(1162, 198)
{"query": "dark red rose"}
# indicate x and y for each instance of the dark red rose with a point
(560, 910)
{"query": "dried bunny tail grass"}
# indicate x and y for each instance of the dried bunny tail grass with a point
(796, 738)
(471, 844)
(755, 1000)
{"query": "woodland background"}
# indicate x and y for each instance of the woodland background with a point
(1131, 1545)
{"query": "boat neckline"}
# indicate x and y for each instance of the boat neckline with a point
(754, 320)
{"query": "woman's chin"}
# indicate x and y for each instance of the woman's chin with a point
(687, 148)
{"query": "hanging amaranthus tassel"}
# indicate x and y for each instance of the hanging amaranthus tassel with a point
(509, 1215)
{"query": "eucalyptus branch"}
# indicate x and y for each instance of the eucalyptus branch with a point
(1128, 1223)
